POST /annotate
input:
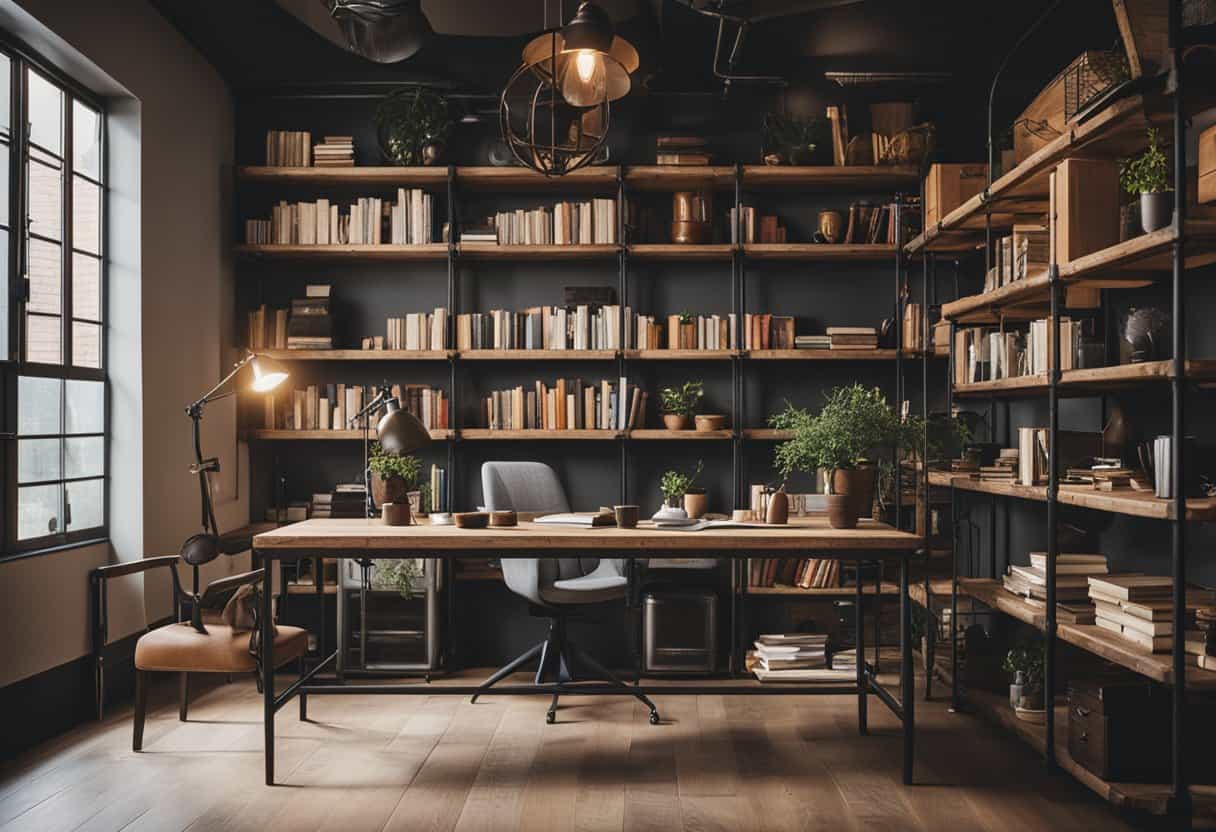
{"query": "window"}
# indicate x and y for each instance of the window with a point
(52, 338)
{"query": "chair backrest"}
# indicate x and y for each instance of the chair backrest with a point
(532, 487)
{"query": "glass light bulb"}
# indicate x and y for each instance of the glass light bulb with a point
(584, 78)
(585, 62)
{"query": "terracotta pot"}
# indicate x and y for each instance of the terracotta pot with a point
(840, 512)
(395, 514)
(778, 508)
(391, 490)
(696, 503)
(858, 485)
(709, 422)
(676, 421)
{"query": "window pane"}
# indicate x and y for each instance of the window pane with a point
(46, 277)
(6, 69)
(85, 504)
(86, 287)
(86, 345)
(3, 295)
(86, 215)
(86, 407)
(84, 457)
(45, 199)
(43, 339)
(45, 113)
(4, 192)
(86, 140)
(38, 405)
(38, 511)
(38, 460)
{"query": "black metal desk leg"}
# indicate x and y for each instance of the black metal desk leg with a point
(906, 681)
(860, 640)
(268, 671)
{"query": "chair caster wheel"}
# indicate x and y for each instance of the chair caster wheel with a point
(473, 701)
(550, 717)
(654, 717)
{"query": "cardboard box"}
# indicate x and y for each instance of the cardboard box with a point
(949, 186)
(1207, 166)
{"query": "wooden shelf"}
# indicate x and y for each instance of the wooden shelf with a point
(311, 589)
(822, 355)
(494, 251)
(1124, 501)
(852, 177)
(938, 588)
(601, 177)
(767, 434)
(678, 177)
(537, 355)
(1092, 380)
(267, 435)
(820, 252)
(1022, 300)
(563, 435)
(427, 252)
(822, 592)
(366, 175)
(681, 251)
(680, 355)
(680, 435)
(357, 355)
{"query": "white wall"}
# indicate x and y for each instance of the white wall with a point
(170, 311)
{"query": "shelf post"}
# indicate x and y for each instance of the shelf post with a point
(897, 470)
(1053, 486)
(1180, 793)
(623, 299)
(737, 299)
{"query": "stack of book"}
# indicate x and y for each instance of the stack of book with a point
(581, 327)
(681, 150)
(322, 505)
(414, 331)
(310, 326)
(334, 152)
(806, 573)
(852, 337)
(1004, 469)
(349, 500)
(794, 657)
(1140, 610)
(812, 342)
(483, 233)
(267, 329)
(566, 223)
(1073, 571)
(1104, 477)
(288, 148)
(569, 404)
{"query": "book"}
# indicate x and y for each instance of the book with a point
(1133, 587)
(583, 519)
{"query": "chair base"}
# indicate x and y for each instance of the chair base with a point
(558, 659)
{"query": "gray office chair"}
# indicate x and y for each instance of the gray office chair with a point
(552, 586)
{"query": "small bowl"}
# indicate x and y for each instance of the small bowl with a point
(707, 422)
(471, 519)
(503, 519)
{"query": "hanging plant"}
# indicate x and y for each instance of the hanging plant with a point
(412, 125)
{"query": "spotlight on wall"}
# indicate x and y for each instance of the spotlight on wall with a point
(384, 31)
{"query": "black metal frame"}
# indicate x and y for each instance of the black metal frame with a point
(867, 683)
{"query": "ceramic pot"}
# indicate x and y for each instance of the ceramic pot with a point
(840, 512)
(709, 422)
(395, 514)
(778, 508)
(858, 485)
(676, 421)
(390, 490)
(696, 502)
(1156, 210)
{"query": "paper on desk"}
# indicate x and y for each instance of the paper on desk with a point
(699, 525)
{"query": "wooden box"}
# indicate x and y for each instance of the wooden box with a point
(1046, 117)
(1120, 729)
(950, 185)
(1084, 216)
(1207, 166)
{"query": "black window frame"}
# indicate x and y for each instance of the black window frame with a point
(13, 363)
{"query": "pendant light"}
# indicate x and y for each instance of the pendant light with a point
(555, 108)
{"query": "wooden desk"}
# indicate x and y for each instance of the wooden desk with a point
(869, 542)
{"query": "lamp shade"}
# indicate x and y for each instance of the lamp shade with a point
(384, 31)
(399, 431)
(267, 374)
(604, 76)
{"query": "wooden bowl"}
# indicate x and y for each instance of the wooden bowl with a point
(707, 422)
(503, 519)
(471, 519)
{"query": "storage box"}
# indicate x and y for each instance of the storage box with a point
(1120, 728)
(1207, 166)
(949, 186)
(679, 631)
(1084, 216)
(1046, 117)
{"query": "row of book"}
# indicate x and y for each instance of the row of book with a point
(591, 222)
(749, 226)
(1023, 253)
(569, 404)
(807, 573)
(986, 354)
(409, 220)
(414, 331)
(581, 327)
(288, 148)
(332, 406)
(267, 329)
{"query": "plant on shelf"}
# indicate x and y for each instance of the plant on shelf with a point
(675, 484)
(680, 403)
(1148, 176)
(412, 125)
(841, 440)
(794, 140)
(398, 574)
(1027, 663)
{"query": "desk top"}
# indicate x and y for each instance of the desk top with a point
(801, 534)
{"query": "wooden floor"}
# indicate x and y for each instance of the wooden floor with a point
(376, 762)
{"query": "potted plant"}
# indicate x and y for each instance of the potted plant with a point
(412, 126)
(794, 140)
(855, 422)
(393, 476)
(680, 403)
(1148, 175)
(675, 487)
(402, 575)
(1027, 663)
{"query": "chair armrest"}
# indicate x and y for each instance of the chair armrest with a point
(117, 570)
(222, 586)
(101, 574)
